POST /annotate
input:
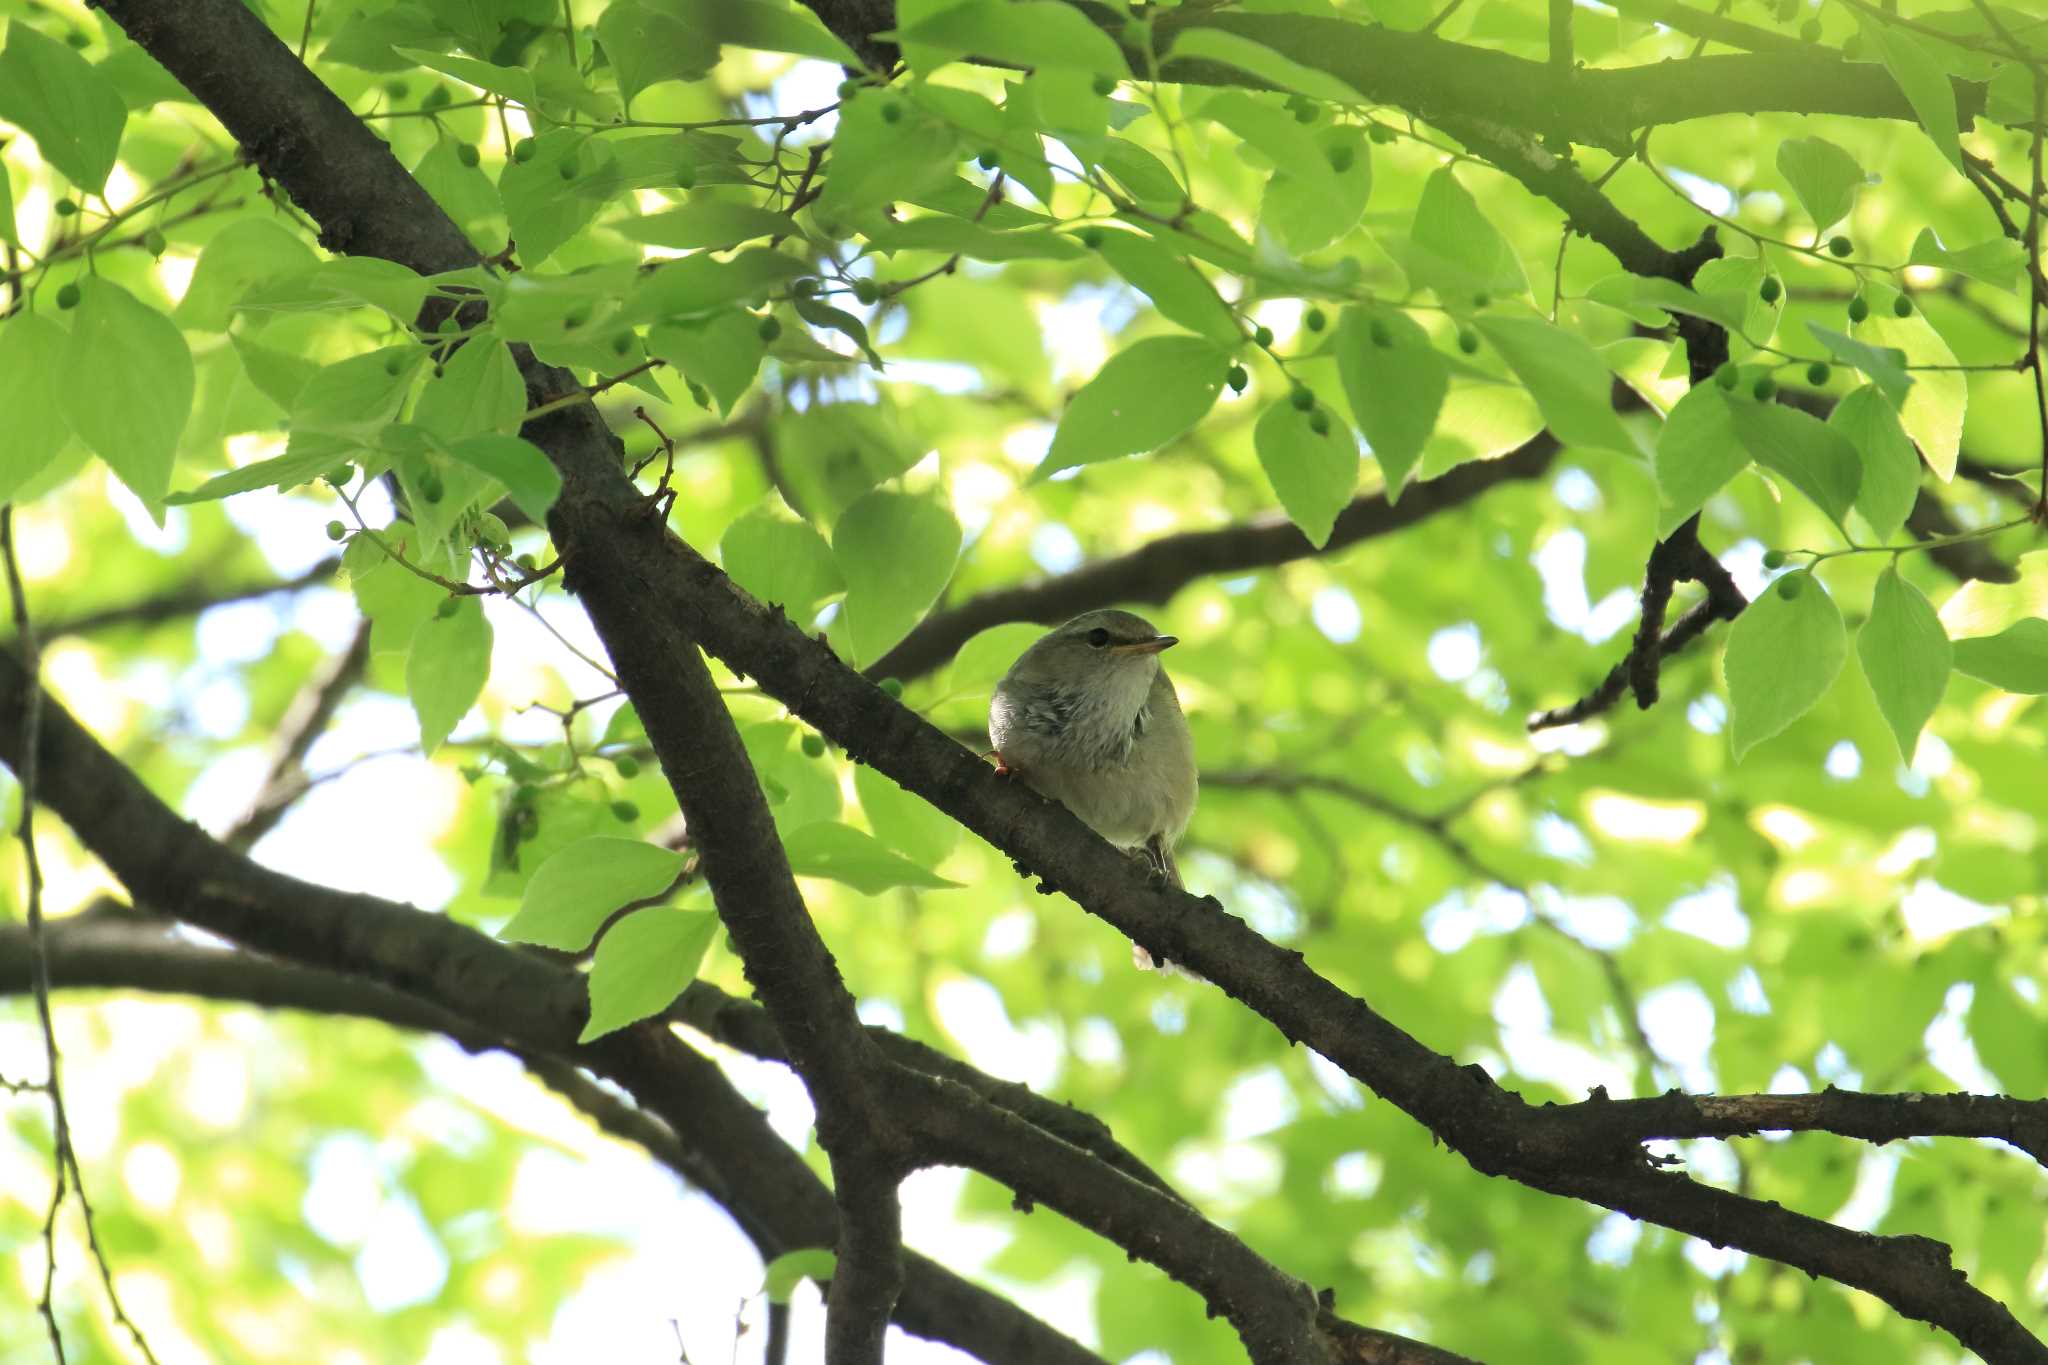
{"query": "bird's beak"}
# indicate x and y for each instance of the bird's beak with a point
(1151, 646)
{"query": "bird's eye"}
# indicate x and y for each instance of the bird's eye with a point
(1098, 637)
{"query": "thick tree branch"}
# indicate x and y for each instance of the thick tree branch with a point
(1157, 570)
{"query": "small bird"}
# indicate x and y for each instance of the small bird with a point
(1088, 717)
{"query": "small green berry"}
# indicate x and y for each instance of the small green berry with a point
(1859, 308)
(526, 562)
(1481, 300)
(1771, 289)
(1091, 237)
(65, 207)
(78, 39)
(622, 344)
(450, 325)
(341, 475)
(1237, 379)
(436, 98)
(398, 90)
(686, 177)
(1381, 334)
(467, 154)
(67, 297)
(700, 395)
(1468, 341)
(1341, 157)
(567, 170)
(848, 89)
(1382, 134)
(804, 288)
(1319, 422)
(1774, 559)
(153, 242)
(865, 291)
(892, 113)
(1262, 336)
(1302, 398)
(891, 686)
(336, 531)
(1315, 320)
(1104, 86)
(987, 160)
(625, 812)
(1817, 374)
(814, 746)
(1765, 388)
(394, 365)
(627, 765)
(1791, 585)
(770, 328)
(1902, 307)
(449, 606)
(575, 318)
(1840, 246)
(523, 150)
(1728, 376)
(431, 487)
(1809, 32)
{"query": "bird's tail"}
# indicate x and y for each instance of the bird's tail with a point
(1158, 854)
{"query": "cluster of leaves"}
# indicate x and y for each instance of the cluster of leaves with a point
(1304, 297)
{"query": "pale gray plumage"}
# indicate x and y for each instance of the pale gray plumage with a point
(1088, 717)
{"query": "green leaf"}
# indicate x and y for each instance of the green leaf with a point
(279, 376)
(479, 390)
(525, 470)
(973, 240)
(2006, 1031)
(1180, 292)
(895, 552)
(246, 253)
(840, 321)
(1395, 390)
(1921, 79)
(722, 352)
(9, 231)
(34, 429)
(791, 1268)
(449, 664)
(1566, 377)
(514, 83)
(288, 470)
(64, 102)
(553, 194)
(1997, 262)
(2015, 659)
(987, 656)
(577, 889)
(1145, 396)
(1934, 407)
(876, 159)
(1307, 213)
(702, 284)
(119, 344)
(1313, 475)
(1814, 457)
(396, 601)
(1261, 122)
(1884, 366)
(1454, 249)
(1891, 467)
(643, 963)
(358, 396)
(1271, 67)
(705, 223)
(844, 854)
(1025, 33)
(904, 820)
(1783, 654)
(648, 46)
(1905, 655)
(781, 561)
(1824, 177)
(763, 27)
(1697, 452)
(1647, 298)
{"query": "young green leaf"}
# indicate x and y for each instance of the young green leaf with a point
(1697, 452)
(712, 224)
(763, 27)
(1025, 33)
(478, 391)
(877, 159)
(781, 561)
(1179, 291)
(1920, 78)
(1647, 298)
(1933, 410)
(1891, 467)
(643, 963)
(1395, 382)
(30, 347)
(1456, 248)
(246, 253)
(525, 470)
(903, 820)
(582, 883)
(553, 195)
(1884, 366)
(791, 1268)
(1905, 655)
(702, 283)
(1272, 131)
(647, 45)
(449, 664)
(1824, 177)
(1313, 473)
(1784, 652)
(1565, 375)
(1145, 396)
(1273, 68)
(122, 346)
(844, 854)
(1307, 213)
(895, 553)
(64, 102)
(1814, 457)
(2015, 659)
(1997, 262)
(722, 352)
